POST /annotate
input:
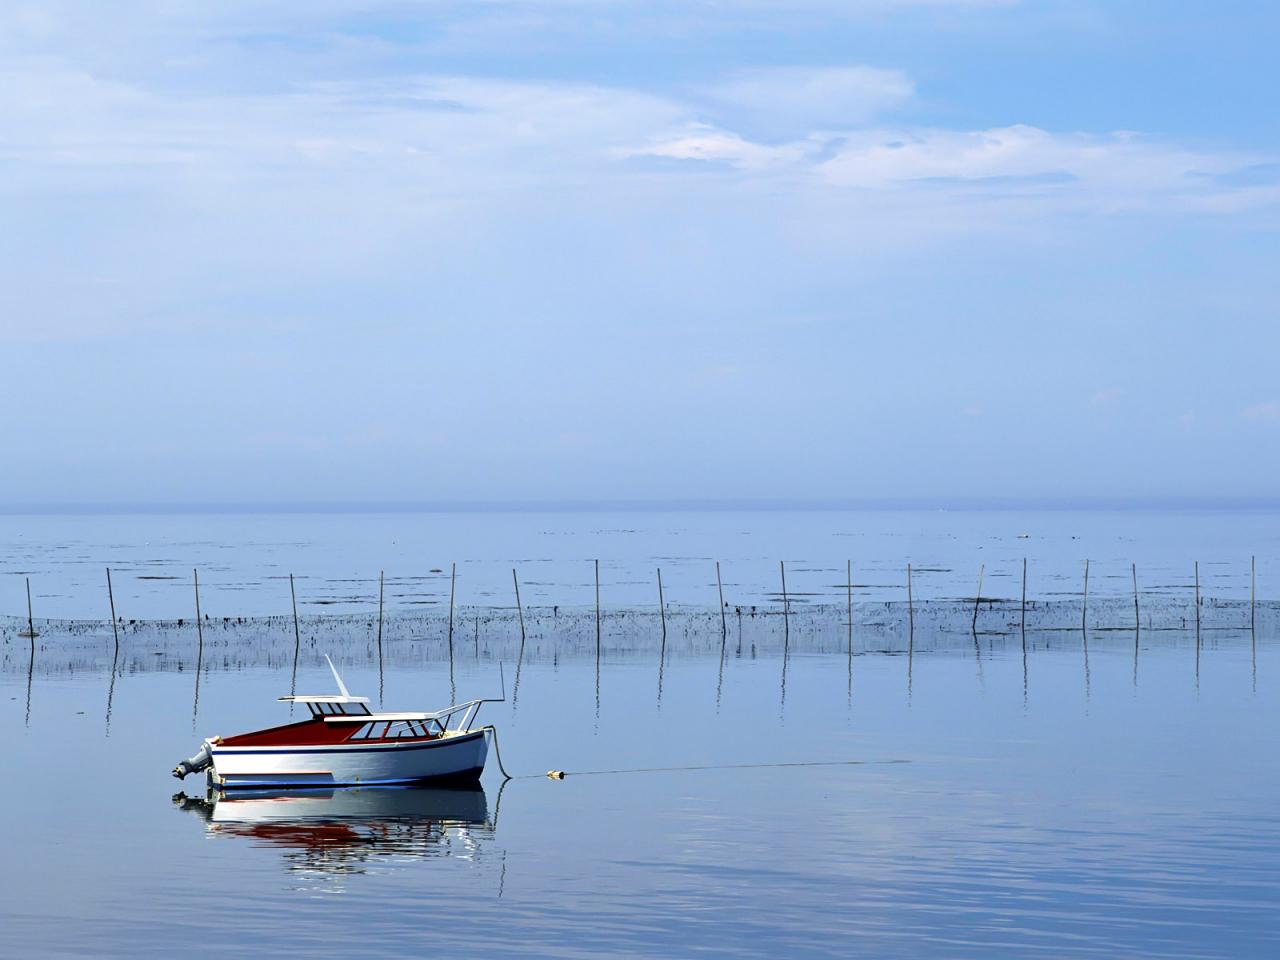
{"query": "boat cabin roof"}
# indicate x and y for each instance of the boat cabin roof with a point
(334, 706)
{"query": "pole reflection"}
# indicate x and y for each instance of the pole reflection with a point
(111, 691)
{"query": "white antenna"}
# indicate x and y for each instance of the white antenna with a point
(342, 687)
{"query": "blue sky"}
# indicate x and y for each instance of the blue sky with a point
(601, 249)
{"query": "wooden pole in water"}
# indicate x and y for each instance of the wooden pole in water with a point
(195, 574)
(293, 596)
(31, 623)
(1197, 568)
(519, 609)
(111, 598)
(1137, 625)
(982, 568)
(848, 586)
(1023, 623)
(786, 613)
(195, 700)
(453, 576)
(297, 647)
(1137, 629)
(662, 606)
(597, 609)
(1253, 593)
(1084, 606)
(911, 632)
(380, 609)
(724, 627)
(911, 613)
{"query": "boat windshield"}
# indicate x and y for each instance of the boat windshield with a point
(322, 708)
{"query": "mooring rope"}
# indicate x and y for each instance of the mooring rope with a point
(497, 752)
(559, 774)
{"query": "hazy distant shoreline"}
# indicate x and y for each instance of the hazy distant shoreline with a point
(958, 504)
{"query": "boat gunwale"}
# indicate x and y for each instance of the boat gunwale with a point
(460, 778)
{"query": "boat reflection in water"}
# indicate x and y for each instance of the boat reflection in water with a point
(348, 830)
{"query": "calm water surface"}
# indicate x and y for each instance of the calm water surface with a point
(245, 560)
(964, 801)
(965, 811)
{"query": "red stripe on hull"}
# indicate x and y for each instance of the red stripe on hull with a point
(309, 733)
(306, 733)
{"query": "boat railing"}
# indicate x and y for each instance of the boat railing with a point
(468, 709)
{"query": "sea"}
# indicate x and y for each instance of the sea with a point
(828, 732)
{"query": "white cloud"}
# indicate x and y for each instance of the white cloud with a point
(705, 143)
(1005, 155)
(145, 35)
(62, 128)
(54, 119)
(112, 183)
(1112, 171)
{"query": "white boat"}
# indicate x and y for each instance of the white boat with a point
(344, 743)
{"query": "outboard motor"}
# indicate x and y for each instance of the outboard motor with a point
(201, 761)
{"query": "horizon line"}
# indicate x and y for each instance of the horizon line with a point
(644, 505)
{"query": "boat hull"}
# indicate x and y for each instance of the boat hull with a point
(451, 759)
